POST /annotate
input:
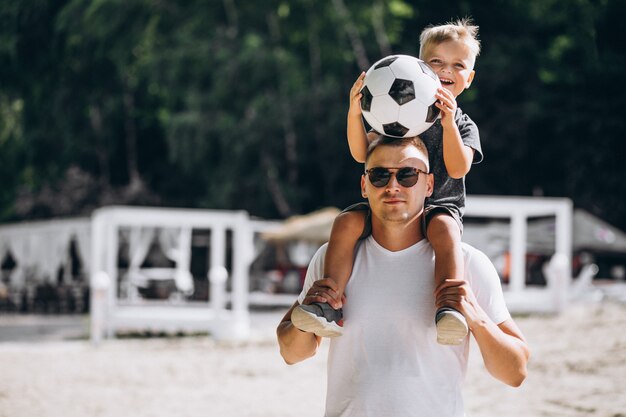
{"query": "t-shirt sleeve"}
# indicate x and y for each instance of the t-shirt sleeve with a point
(314, 272)
(469, 135)
(485, 282)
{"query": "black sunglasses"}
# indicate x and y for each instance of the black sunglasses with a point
(406, 177)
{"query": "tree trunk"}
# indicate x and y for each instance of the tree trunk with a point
(233, 18)
(378, 22)
(353, 35)
(95, 120)
(273, 186)
(135, 182)
(290, 135)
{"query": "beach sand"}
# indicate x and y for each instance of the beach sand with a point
(577, 368)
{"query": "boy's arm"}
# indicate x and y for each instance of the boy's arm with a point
(357, 137)
(456, 155)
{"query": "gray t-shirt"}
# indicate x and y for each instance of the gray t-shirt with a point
(450, 192)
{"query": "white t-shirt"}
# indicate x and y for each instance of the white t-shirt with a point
(388, 362)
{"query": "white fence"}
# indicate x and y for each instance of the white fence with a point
(111, 313)
(519, 210)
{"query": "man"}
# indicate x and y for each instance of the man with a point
(388, 362)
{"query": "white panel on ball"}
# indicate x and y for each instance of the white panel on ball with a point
(384, 109)
(409, 113)
(380, 81)
(405, 67)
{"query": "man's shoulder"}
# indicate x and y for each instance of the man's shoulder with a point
(471, 253)
(320, 254)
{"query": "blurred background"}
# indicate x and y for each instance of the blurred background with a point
(242, 105)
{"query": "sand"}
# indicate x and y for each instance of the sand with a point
(578, 368)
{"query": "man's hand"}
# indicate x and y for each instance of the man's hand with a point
(296, 345)
(502, 345)
(457, 294)
(324, 291)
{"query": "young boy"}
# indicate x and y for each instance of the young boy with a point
(453, 145)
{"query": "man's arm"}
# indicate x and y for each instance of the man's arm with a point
(295, 345)
(504, 350)
(502, 346)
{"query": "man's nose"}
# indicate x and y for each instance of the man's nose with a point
(393, 184)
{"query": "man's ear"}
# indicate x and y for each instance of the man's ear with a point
(430, 185)
(363, 191)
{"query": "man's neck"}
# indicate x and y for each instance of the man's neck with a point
(397, 236)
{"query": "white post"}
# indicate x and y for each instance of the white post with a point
(243, 250)
(563, 247)
(563, 236)
(242, 257)
(557, 276)
(100, 284)
(98, 301)
(517, 279)
(112, 244)
(217, 273)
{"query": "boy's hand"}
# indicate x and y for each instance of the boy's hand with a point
(447, 104)
(355, 96)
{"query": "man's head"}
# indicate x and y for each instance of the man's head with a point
(396, 181)
(451, 51)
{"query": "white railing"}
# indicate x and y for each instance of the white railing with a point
(111, 314)
(519, 210)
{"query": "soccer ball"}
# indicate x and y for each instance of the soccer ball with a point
(399, 95)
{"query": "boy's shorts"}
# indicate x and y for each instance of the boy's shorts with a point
(429, 212)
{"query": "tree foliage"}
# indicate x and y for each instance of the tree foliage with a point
(241, 105)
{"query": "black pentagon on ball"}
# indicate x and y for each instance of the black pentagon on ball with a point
(386, 62)
(366, 99)
(433, 113)
(427, 70)
(402, 91)
(395, 129)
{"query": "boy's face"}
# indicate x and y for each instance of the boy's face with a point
(453, 62)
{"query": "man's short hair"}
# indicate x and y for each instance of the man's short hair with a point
(462, 29)
(383, 140)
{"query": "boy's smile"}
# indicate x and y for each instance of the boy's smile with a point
(453, 63)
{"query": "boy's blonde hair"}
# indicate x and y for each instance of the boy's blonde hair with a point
(462, 29)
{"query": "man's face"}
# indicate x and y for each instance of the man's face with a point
(394, 202)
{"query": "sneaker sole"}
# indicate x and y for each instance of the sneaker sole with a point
(311, 323)
(451, 328)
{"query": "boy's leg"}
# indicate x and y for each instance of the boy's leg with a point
(444, 235)
(324, 319)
